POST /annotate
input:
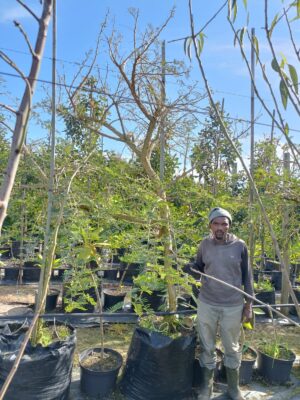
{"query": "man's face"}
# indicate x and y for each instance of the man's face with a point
(219, 227)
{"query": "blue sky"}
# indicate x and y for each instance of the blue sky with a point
(78, 24)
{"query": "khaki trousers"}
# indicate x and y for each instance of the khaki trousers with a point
(228, 321)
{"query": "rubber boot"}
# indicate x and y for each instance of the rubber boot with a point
(233, 390)
(207, 386)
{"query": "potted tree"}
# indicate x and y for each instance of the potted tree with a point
(249, 356)
(99, 366)
(275, 361)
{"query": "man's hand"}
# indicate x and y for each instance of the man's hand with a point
(247, 314)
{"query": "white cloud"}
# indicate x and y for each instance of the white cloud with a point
(8, 14)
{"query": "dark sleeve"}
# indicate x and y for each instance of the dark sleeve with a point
(199, 264)
(247, 278)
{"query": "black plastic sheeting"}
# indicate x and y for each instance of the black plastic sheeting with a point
(44, 372)
(158, 367)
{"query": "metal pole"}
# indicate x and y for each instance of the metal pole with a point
(285, 236)
(272, 128)
(163, 100)
(251, 194)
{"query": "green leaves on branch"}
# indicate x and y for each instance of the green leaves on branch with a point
(188, 42)
(294, 76)
(283, 93)
(286, 80)
(273, 24)
(232, 9)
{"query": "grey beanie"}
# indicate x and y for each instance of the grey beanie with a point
(219, 212)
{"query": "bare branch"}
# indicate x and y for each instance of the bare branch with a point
(8, 108)
(10, 62)
(82, 83)
(297, 51)
(282, 126)
(29, 10)
(27, 151)
(283, 79)
(7, 126)
(19, 26)
(205, 25)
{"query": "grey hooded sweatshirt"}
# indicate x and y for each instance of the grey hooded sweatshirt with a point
(228, 262)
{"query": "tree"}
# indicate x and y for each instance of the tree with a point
(196, 40)
(136, 113)
(23, 113)
(212, 155)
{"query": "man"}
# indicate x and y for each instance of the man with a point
(225, 257)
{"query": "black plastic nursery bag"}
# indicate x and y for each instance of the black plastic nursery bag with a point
(44, 372)
(158, 367)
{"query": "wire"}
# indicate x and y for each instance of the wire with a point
(128, 99)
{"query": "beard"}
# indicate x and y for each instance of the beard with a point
(219, 235)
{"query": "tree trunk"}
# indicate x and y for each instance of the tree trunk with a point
(23, 113)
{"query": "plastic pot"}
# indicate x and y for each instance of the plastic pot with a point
(273, 370)
(51, 300)
(99, 383)
(88, 307)
(112, 274)
(155, 300)
(12, 274)
(267, 297)
(129, 271)
(276, 279)
(246, 367)
(31, 272)
(113, 297)
(292, 309)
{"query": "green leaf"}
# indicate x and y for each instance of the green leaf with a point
(273, 24)
(275, 65)
(245, 2)
(284, 60)
(286, 129)
(187, 47)
(258, 311)
(283, 93)
(256, 46)
(298, 8)
(243, 31)
(235, 9)
(294, 77)
(200, 43)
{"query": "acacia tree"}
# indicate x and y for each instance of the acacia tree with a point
(136, 113)
(22, 114)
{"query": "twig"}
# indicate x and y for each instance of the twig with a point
(7, 126)
(19, 26)
(29, 10)
(297, 51)
(8, 108)
(28, 152)
(204, 26)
